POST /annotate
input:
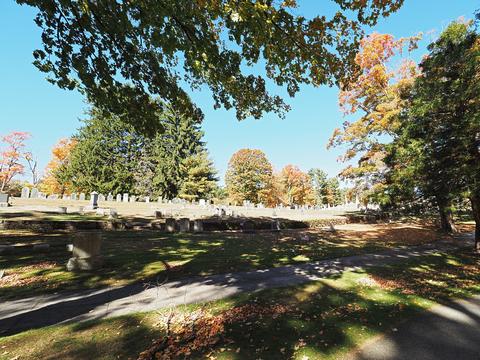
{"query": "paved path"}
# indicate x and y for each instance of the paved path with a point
(445, 332)
(35, 312)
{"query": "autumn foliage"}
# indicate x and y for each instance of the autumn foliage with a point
(55, 180)
(248, 176)
(376, 97)
(297, 187)
(10, 157)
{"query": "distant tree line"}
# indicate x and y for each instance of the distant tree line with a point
(250, 177)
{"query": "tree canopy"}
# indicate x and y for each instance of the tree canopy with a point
(112, 156)
(120, 53)
(248, 176)
(438, 149)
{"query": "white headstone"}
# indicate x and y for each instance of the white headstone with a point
(82, 196)
(34, 193)
(110, 197)
(125, 197)
(25, 193)
(3, 199)
(119, 197)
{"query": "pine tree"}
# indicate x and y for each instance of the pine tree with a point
(440, 144)
(180, 140)
(199, 180)
(106, 156)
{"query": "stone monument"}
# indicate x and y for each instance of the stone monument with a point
(86, 251)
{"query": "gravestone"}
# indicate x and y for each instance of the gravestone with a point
(81, 197)
(94, 200)
(25, 193)
(248, 226)
(183, 225)
(4, 200)
(101, 197)
(202, 202)
(86, 251)
(147, 199)
(133, 199)
(276, 226)
(197, 226)
(110, 197)
(125, 197)
(331, 228)
(34, 193)
(170, 225)
(112, 214)
(119, 197)
(73, 196)
(220, 212)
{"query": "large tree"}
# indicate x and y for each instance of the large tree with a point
(121, 52)
(58, 177)
(181, 139)
(441, 129)
(106, 155)
(325, 190)
(199, 179)
(374, 100)
(113, 156)
(248, 176)
(10, 157)
(296, 186)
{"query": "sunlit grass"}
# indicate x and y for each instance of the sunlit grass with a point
(132, 256)
(325, 319)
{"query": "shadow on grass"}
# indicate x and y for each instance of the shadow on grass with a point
(323, 319)
(118, 338)
(327, 319)
(143, 256)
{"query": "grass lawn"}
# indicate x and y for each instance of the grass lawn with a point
(45, 216)
(320, 320)
(145, 255)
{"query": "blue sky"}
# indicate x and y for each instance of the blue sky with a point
(29, 103)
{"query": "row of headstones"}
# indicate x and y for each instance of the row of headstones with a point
(35, 194)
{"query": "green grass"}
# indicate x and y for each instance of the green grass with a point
(144, 255)
(48, 216)
(320, 320)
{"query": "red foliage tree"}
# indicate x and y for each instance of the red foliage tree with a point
(10, 157)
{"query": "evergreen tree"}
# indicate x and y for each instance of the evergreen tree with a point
(199, 177)
(441, 125)
(106, 155)
(111, 156)
(180, 140)
(326, 190)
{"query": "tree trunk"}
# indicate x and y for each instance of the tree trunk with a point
(475, 200)
(446, 218)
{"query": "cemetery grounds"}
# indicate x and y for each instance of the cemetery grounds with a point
(325, 319)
